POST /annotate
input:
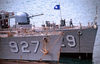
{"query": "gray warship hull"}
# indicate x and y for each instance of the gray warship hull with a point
(78, 40)
(30, 48)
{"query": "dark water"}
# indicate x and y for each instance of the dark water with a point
(75, 61)
(62, 61)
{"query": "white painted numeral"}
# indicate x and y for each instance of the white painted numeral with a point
(37, 45)
(14, 46)
(24, 46)
(71, 40)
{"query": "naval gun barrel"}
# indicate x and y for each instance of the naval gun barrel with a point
(35, 15)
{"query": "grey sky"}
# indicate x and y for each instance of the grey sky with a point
(79, 10)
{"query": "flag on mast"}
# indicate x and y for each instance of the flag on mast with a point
(57, 7)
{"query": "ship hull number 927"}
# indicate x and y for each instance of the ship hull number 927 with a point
(14, 46)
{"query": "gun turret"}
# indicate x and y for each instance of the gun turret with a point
(23, 18)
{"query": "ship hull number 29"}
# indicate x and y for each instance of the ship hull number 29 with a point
(14, 46)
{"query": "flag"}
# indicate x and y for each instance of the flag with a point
(57, 7)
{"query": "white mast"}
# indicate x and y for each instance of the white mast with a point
(96, 15)
(60, 10)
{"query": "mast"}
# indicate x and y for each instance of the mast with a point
(96, 15)
(60, 10)
(62, 21)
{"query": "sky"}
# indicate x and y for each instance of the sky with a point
(80, 11)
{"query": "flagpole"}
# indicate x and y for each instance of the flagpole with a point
(96, 15)
(60, 11)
